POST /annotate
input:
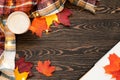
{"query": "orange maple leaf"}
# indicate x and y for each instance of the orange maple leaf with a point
(45, 68)
(114, 67)
(38, 26)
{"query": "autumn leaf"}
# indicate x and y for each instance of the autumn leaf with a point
(116, 74)
(38, 26)
(50, 19)
(20, 76)
(63, 17)
(24, 66)
(114, 67)
(45, 68)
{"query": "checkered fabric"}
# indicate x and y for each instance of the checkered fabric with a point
(44, 7)
(8, 6)
(7, 59)
(2, 42)
(86, 4)
(47, 7)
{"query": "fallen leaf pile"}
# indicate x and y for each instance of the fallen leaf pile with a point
(114, 67)
(41, 24)
(23, 69)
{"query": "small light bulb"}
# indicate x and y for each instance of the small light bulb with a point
(23, 79)
(9, 43)
(47, 31)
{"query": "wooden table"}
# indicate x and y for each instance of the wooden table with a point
(74, 50)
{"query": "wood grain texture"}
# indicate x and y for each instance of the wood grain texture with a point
(75, 49)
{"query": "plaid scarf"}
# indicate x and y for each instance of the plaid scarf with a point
(7, 58)
(86, 4)
(2, 42)
(48, 7)
(44, 7)
(8, 6)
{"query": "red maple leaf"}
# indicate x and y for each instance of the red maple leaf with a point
(24, 66)
(63, 17)
(114, 67)
(45, 68)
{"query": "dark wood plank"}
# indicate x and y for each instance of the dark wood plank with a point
(73, 50)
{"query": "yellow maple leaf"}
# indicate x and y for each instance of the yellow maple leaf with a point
(50, 19)
(20, 76)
